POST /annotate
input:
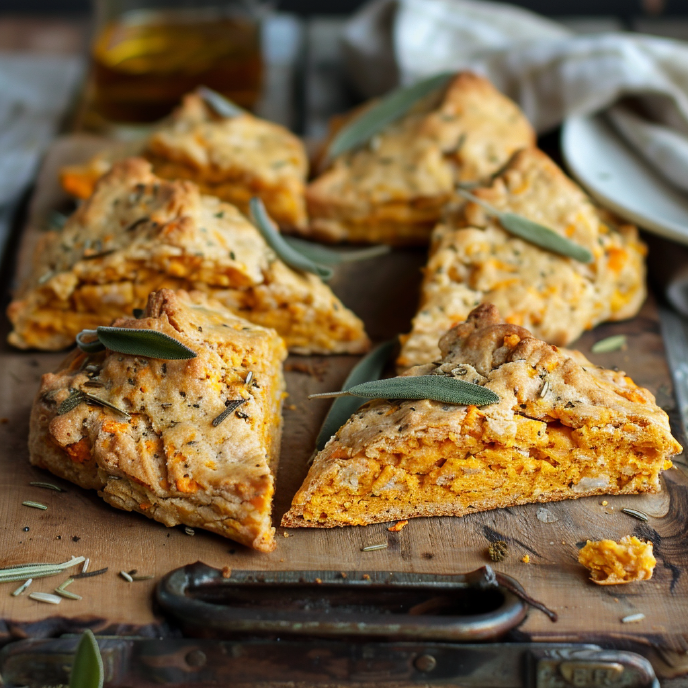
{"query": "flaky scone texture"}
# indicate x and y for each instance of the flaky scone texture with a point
(474, 260)
(616, 563)
(563, 429)
(138, 233)
(233, 158)
(167, 460)
(394, 189)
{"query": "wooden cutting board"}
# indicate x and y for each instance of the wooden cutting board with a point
(384, 294)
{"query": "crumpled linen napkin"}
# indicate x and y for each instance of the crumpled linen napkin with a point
(550, 71)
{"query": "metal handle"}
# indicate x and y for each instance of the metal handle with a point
(329, 604)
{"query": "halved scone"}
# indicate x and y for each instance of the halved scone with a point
(138, 233)
(394, 189)
(563, 429)
(474, 260)
(165, 457)
(233, 158)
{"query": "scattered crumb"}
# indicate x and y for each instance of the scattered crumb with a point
(604, 502)
(342, 574)
(366, 576)
(281, 561)
(226, 572)
(563, 542)
(397, 526)
(285, 534)
(318, 581)
(612, 563)
(291, 407)
(525, 559)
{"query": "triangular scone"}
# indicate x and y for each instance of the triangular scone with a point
(137, 234)
(167, 460)
(394, 189)
(473, 260)
(233, 158)
(563, 429)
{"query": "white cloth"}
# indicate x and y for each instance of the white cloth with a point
(551, 72)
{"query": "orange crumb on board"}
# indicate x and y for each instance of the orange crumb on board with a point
(366, 576)
(525, 558)
(285, 534)
(226, 572)
(397, 526)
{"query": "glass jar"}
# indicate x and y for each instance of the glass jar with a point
(146, 54)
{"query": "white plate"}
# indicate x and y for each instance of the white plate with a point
(621, 180)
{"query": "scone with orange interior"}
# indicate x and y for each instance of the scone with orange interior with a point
(614, 563)
(473, 259)
(138, 233)
(393, 189)
(231, 157)
(192, 441)
(562, 429)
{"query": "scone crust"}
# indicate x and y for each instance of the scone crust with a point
(394, 189)
(563, 429)
(167, 460)
(473, 260)
(138, 234)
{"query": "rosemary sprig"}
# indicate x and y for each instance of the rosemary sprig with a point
(127, 340)
(530, 231)
(277, 243)
(14, 573)
(609, 344)
(370, 367)
(388, 110)
(231, 406)
(87, 669)
(447, 390)
(222, 106)
(77, 397)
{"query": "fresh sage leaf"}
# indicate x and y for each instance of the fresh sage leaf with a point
(323, 255)
(448, 390)
(388, 110)
(87, 669)
(125, 340)
(370, 367)
(277, 243)
(222, 106)
(535, 233)
(606, 346)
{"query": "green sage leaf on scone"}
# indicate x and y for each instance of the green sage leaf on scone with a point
(448, 390)
(134, 342)
(535, 233)
(369, 368)
(389, 109)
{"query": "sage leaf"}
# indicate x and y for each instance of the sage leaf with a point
(327, 256)
(223, 106)
(535, 233)
(87, 669)
(389, 109)
(606, 346)
(126, 340)
(448, 390)
(370, 367)
(277, 243)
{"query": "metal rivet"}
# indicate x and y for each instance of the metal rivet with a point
(196, 658)
(425, 663)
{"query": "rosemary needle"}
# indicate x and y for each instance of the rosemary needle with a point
(371, 548)
(35, 505)
(126, 576)
(22, 587)
(48, 486)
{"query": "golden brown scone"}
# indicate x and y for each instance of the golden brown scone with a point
(563, 429)
(233, 158)
(613, 563)
(166, 459)
(394, 189)
(474, 260)
(137, 234)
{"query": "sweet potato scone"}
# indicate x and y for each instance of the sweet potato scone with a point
(233, 158)
(614, 563)
(136, 234)
(167, 454)
(473, 260)
(394, 189)
(563, 429)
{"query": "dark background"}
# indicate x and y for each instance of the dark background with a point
(620, 8)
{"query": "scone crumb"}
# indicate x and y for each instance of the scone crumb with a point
(342, 574)
(366, 576)
(285, 534)
(226, 572)
(397, 526)
(613, 563)
(318, 581)
(526, 558)
(604, 502)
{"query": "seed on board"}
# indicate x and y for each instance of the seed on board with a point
(632, 618)
(126, 576)
(640, 515)
(497, 551)
(189, 531)
(45, 597)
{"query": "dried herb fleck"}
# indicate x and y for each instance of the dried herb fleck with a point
(497, 551)
(232, 405)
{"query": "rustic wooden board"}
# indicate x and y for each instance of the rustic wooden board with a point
(384, 294)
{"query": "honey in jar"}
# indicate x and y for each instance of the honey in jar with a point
(144, 61)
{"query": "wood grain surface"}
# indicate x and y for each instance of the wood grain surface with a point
(384, 294)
